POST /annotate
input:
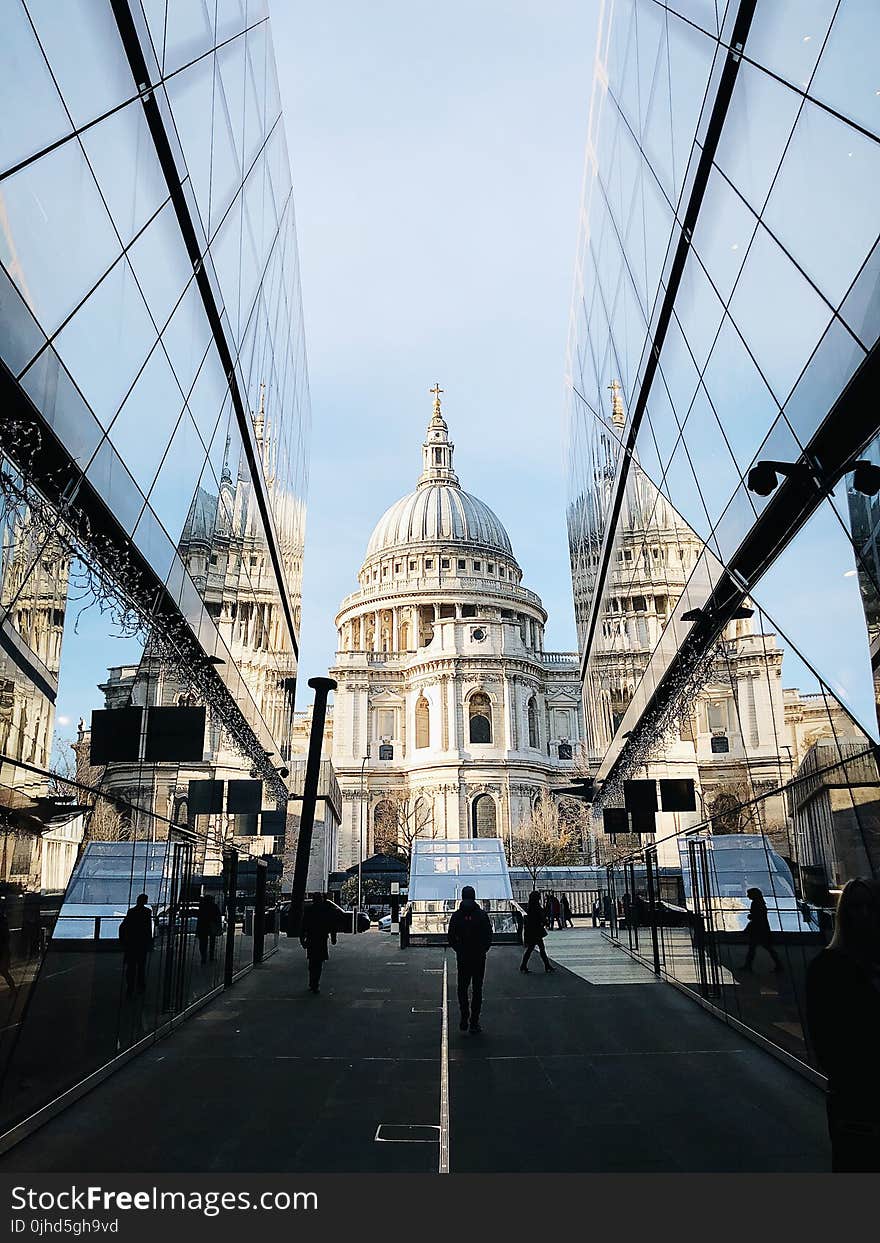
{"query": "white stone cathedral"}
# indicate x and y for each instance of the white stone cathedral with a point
(442, 674)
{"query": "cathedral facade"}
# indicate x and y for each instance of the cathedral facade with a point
(450, 719)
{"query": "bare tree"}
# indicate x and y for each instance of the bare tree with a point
(399, 821)
(544, 840)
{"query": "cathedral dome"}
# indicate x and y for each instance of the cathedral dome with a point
(439, 510)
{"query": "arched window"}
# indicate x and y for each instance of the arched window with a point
(385, 834)
(480, 712)
(483, 816)
(423, 722)
(533, 722)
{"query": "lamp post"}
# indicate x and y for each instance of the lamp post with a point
(361, 832)
(321, 687)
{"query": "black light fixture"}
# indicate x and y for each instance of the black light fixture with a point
(283, 772)
(763, 476)
(866, 477)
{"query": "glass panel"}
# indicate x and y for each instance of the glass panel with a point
(714, 467)
(826, 375)
(743, 403)
(846, 77)
(105, 343)
(33, 115)
(690, 64)
(141, 431)
(778, 314)
(724, 231)
(20, 336)
(861, 307)
(161, 264)
(57, 240)
(60, 402)
(81, 41)
(787, 37)
(833, 639)
(187, 335)
(759, 121)
(191, 94)
(189, 33)
(172, 493)
(123, 157)
(818, 207)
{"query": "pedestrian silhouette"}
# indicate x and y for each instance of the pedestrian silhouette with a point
(209, 925)
(843, 1021)
(567, 921)
(470, 935)
(597, 913)
(534, 931)
(317, 928)
(758, 931)
(136, 935)
(6, 952)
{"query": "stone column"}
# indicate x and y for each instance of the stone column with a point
(377, 631)
(395, 630)
(512, 708)
(443, 700)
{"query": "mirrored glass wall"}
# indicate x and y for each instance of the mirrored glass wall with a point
(154, 427)
(722, 445)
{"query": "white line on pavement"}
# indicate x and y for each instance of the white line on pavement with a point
(444, 1075)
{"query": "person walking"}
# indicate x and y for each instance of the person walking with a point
(6, 952)
(597, 914)
(470, 935)
(534, 931)
(758, 931)
(209, 925)
(136, 935)
(567, 921)
(317, 927)
(843, 1023)
(548, 911)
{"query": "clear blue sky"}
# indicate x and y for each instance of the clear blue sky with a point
(437, 155)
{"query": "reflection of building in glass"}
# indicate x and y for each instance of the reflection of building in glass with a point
(725, 297)
(154, 428)
(442, 673)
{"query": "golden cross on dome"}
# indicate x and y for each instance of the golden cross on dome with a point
(436, 390)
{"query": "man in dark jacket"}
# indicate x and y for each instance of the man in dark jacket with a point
(136, 935)
(209, 925)
(470, 935)
(318, 925)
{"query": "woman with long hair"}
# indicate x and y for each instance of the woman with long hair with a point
(843, 1020)
(534, 931)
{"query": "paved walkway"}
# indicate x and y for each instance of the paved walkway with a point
(597, 1067)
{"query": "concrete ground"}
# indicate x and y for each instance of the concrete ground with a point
(596, 1067)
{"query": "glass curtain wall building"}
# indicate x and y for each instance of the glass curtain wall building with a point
(723, 539)
(154, 431)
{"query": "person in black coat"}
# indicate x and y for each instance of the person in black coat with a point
(534, 931)
(209, 925)
(565, 907)
(470, 935)
(843, 1023)
(317, 927)
(136, 935)
(759, 930)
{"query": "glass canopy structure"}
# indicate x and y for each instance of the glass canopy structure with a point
(440, 870)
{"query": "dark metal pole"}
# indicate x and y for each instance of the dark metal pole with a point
(322, 688)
